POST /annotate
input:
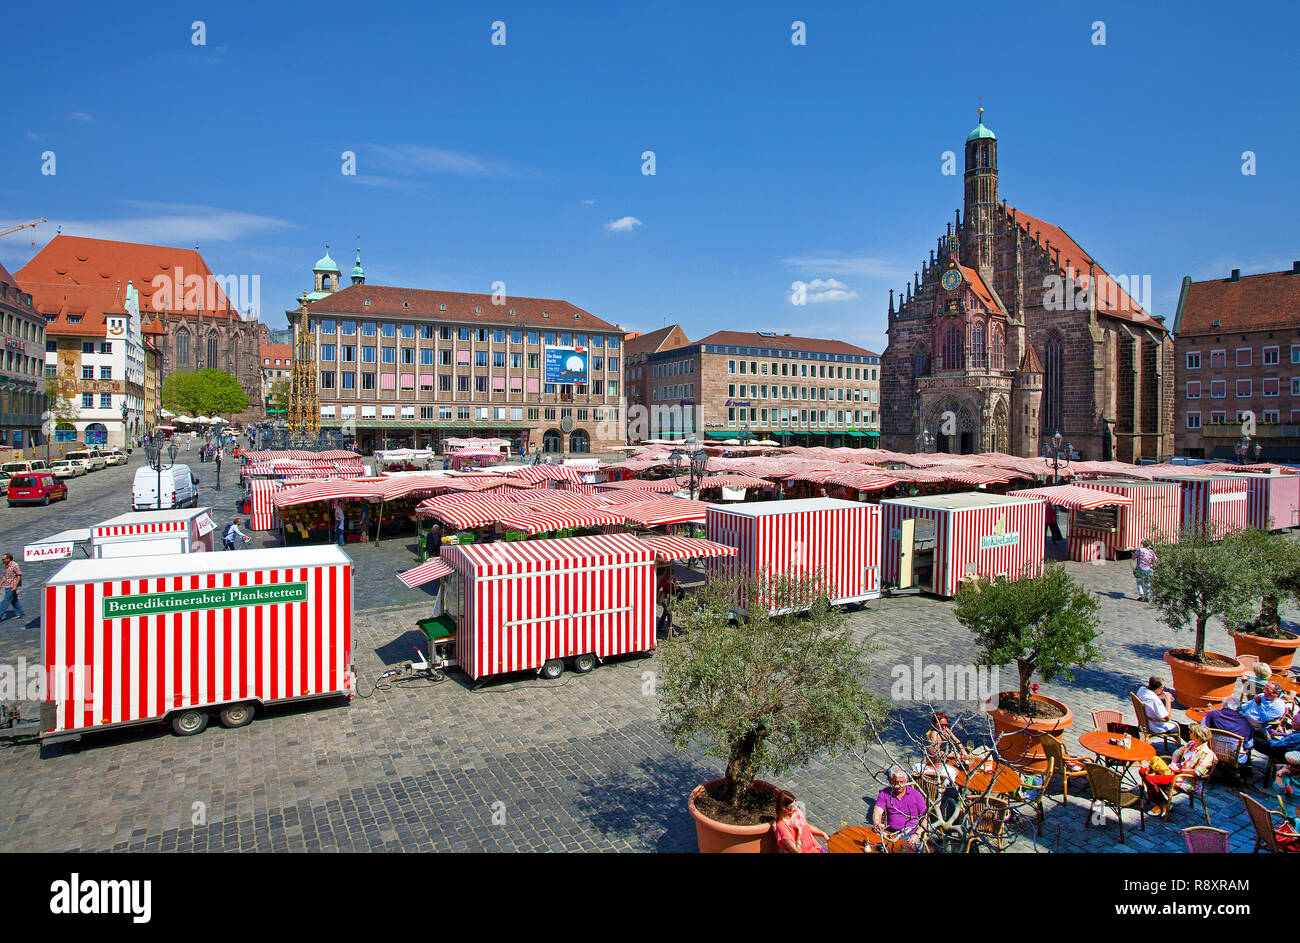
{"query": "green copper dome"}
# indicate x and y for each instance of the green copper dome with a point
(981, 132)
(357, 270)
(325, 264)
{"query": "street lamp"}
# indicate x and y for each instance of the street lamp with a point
(1243, 450)
(1060, 450)
(159, 459)
(925, 441)
(694, 463)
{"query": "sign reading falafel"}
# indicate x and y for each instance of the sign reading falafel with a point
(221, 597)
(566, 365)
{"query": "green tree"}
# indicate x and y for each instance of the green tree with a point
(1047, 625)
(1201, 576)
(762, 692)
(277, 397)
(204, 392)
(1274, 563)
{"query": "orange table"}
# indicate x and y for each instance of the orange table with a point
(1197, 714)
(977, 779)
(1098, 742)
(1287, 683)
(854, 840)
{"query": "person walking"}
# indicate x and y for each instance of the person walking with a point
(13, 579)
(1144, 563)
(1052, 525)
(339, 522)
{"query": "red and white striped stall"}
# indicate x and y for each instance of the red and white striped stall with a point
(1155, 512)
(264, 513)
(525, 605)
(1215, 503)
(1273, 501)
(937, 541)
(837, 540)
(141, 639)
(152, 533)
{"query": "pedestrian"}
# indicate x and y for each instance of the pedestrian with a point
(233, 533)
(218, 461)
(1052, 525)
(1144, 563)
(365, 520)
(339, 522)
(12, 581)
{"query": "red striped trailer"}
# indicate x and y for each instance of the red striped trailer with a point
(1217, 503)
(151, 533)
(1156, 511)
(840, 540)
(533, 605)
(1273, 501)
(145, 640)
(935, 542)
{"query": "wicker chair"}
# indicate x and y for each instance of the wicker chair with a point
(990, 815)
(1202, 839)
(1228, 748)
(1144, 724)
(1108, 789)
(1101, 720)
(1068, 766)
(1043, 770)
(1266, 835)
(1194, 794)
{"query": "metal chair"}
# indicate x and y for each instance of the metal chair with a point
(1228, 748)
(1108, 789)
(1202, 839)
(1068, 766)
(1144, 725)
(1266, 835)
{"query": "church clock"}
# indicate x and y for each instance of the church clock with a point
(950, 280)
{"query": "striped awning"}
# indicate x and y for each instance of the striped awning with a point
(1073, 496)
(392, 488)
(662, 485)
(540, 522)
(627, 496)
(434, 569)
(664, 511)
(686, 548)
(466, 515)
(538, 473)
(339, 489)
(734, 481)
(560, 501)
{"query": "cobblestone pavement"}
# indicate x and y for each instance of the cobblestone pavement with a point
(522, 765)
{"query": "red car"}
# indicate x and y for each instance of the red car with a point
(36, 488)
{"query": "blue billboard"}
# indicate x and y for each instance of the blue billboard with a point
(566, 365)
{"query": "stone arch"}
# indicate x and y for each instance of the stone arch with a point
(958, 432)
(1000, 431)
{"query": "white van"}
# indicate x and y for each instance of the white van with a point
(23, 468)
(90, 458)
(179, 488)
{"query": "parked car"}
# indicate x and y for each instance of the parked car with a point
(179, 488)
(18, 468)
(66, 469)
(37, 488)
(92, 459)
(115, 457)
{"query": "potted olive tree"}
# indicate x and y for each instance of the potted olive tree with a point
(1199, 577)
(762, 693)
(1275, 563)
(1047, 626)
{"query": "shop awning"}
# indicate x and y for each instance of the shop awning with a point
(434, 569)
(686, 548)
(541, 522)
(664, 511)
(1074, 497)
(721, 436)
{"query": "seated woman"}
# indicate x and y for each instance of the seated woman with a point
(793, 833)
(1192, 761)
(1287, 785)
(943, 751)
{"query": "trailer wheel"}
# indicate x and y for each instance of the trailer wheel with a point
(584, 663)
(188, 723)
(552, 669)
(236, 716)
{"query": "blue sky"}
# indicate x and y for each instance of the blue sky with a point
(775, 162)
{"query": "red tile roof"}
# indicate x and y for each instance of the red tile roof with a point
(1030, 363)
(273, 352)
(981, 290)
(653, 341)
(1111, 298)
(77, 260)
(1248, 304)
(784, 342)
(460, 307)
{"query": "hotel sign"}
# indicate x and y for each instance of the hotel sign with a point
(14, 343)
(993, 541)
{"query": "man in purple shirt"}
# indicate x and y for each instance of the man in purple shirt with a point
(900, 808)
(1229, 719)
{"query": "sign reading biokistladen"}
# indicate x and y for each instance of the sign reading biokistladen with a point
(999, 540)
(189, 600)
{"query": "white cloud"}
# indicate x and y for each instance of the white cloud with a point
(176, 224)
(821, 290)
(625, 224)
(416, 159)
(80, 116)
(588, 202)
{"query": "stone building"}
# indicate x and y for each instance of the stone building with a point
(1011, 332)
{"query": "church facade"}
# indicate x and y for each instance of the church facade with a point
(1011, 332)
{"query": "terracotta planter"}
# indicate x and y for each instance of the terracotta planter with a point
(1024, 747)
(718, 837)
(1277, 652)
(1201, 685)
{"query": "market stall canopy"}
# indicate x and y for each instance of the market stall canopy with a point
(664, 511)
(392, 488)
(734, 481)
(427, 572)
(686, 548)
(334, 490)
(1074, 497)
(167, 414)
(537, 473)
(539, 522)
(559, 501)
(664, 485)
(474, 511)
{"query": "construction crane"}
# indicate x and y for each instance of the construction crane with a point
(35, 222)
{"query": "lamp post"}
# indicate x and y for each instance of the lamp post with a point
(1243, 449)
(159, 459)
(693, 462)
(1058, 448)
(924, 441)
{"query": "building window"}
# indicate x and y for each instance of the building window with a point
(327, 352)
(87, 400)
(1218, 389)
(1270, 385)
(87, 373)
(1193, 360)
(182, 347)
(349, 352)
(408, 355)
(1218, 416)
(105, 400)
(952, 359)
(106, 373)
(1218, 359)
(390, 330)
(367, 355)
(1194, 389)
(1245, 389)
(327, 380)
(349, 328)
(1270, 356)
(1193, 420)
(1295, 353)
(212, 350)
(367, 328)
(349, 381)
(408, 331)
(1054, 384)
(1244, 356)
(1272, 415)
(389, 355)
(368, 381)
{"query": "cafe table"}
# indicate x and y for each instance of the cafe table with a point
(986, 776)
(1287, 683)
(1197, 714)
(855, 840)
(1098, 742)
